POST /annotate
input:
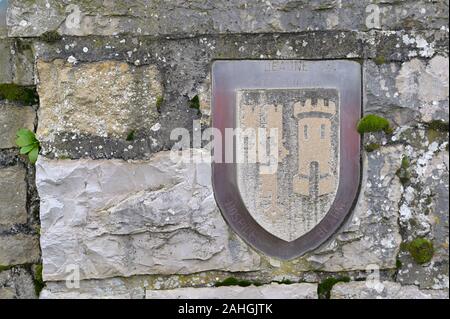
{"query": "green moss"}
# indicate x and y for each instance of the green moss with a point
(131, 135)
(398, 264)
(379, 60)
(38, 281)
(159, 102)
(403, 172)
(3, 267)
(373, 123)
(420, 249)
(231, 281)
(439, 126)
(372, 147)
(324, 288)
(50, 36)
(194, 103)
(284, 281)
(13, 92)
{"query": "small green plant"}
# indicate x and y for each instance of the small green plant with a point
(403, 172)
(373, 123)
(284, 281)
(3, 268)
(13, 92)
(159, 102)
(28, 144)
(379, 60)
(131, 135)
(231, 281)
(439, 126)
(38, 281)
(420, 249)
(324, 288)
(194, 103)
(372, 147)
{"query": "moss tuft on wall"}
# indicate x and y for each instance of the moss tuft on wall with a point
(420, 249)
(324, 288)
(16, 93)
(373, 123)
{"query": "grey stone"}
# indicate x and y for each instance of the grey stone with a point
(17, 249)
(206, 17)
(13, 118)
(272, 291)
(116, 218)
(409, 92)
(16, 62)
(383, 290)
(13, 197)
(16, 283)
(95, 98)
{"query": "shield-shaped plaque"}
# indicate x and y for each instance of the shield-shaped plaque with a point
(286, 168)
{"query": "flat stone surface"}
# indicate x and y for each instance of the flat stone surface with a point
(13, 196)
(116, 218)
(406, 92)
(12, 118)
(19, 249)
(16, 283)
(205, 17)
(272, 291)
(371, 235)
(383, 290)
(107, 98)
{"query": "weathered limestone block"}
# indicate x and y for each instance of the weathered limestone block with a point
(12, 118)
(13, 196)
(19, 249)
(116, 218)
(413, 91)
(383, 290)
(424, 213)
(107, 98)
(16, 283)
(272, 291)
(98, 17)
(371, 237)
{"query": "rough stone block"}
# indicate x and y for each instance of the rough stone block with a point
(16, 283)
(107, 98)
(412, 91)
(116, 218)
(19, 249)
(12, 118)
(199, 17)
(272, 291)
(383, 290)
(13, 196)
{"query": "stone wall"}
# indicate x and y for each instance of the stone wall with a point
(115, 217)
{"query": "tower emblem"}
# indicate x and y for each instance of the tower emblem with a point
(294, 172)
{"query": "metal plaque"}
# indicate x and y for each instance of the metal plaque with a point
(286, 167)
